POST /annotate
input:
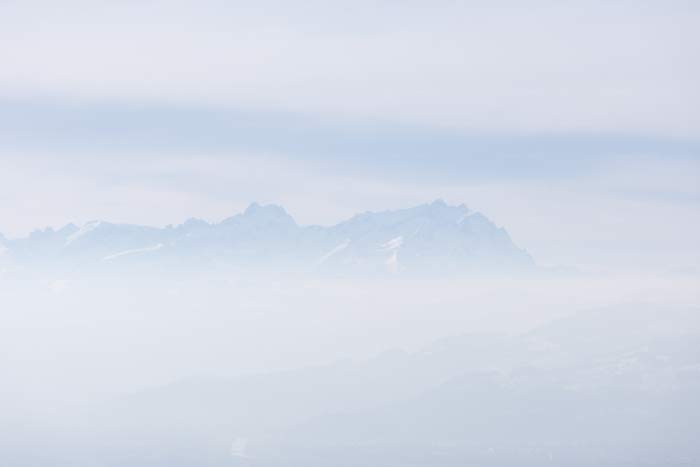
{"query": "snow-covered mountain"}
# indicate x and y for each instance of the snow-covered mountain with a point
(434, 238)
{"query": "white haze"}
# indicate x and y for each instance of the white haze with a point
(73, 349)
(546, 313)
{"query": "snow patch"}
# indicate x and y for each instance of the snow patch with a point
(133, 251)
(334, 251)
(393, 244)
(465, 216)
(87, 228)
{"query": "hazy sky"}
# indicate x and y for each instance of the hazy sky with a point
(573, 124)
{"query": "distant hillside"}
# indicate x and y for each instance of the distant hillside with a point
(431, 239)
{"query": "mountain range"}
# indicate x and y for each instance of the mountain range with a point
(607, 387)
(434, 238)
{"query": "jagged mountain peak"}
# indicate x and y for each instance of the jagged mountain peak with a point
(267, 210)
(86, 228)
(434, 237)
(440, 210)
(258, 214)
(68, 229)
(437, 211)
(193, 223)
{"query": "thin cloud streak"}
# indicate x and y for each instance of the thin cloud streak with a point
(118, 130)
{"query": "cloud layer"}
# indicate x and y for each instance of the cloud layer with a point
(586, 66)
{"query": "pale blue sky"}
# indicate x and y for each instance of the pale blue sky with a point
(573, 124)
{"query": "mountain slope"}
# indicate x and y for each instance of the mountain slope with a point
(433, 238)
(534, 399)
